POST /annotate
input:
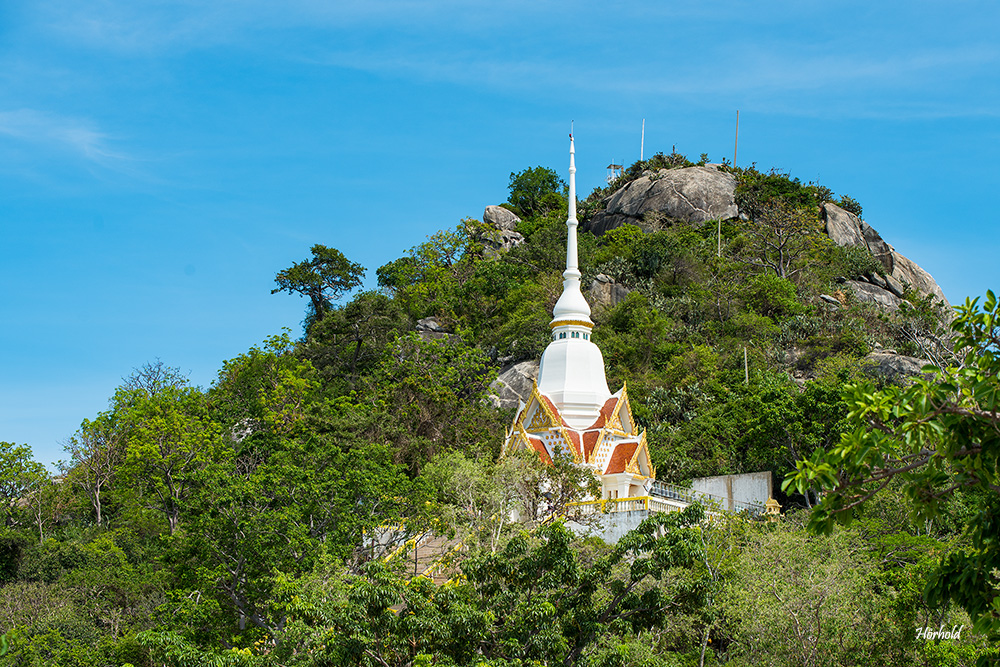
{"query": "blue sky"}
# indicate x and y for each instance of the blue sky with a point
(161, 161)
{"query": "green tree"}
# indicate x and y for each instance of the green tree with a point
(536, 601)
(937, 436)
(95, 450)
(171, 436)
(780, 238)
(535, 192)
(431, 397)
(265, 391)
(20, 475)
(351, 340)
(324, 278)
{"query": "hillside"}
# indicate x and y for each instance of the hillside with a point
(272, 518)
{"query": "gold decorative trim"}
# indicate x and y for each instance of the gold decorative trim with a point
(566, 323)
(519, 419)
(628, 411)
(597, 446)
(540, 420)
(555, 420)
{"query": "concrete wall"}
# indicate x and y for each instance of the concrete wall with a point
(752, 487)
(610, 527)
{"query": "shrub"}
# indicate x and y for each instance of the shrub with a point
(770, 295)
(850, 204)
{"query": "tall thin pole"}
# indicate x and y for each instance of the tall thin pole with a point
(746, 367)
(642, 143)
(736, 143)
(718, 251)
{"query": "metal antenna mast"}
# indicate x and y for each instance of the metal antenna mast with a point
(642, 143)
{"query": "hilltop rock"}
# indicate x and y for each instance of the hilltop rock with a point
(692, 194)
(498, 233)
(501, 218)
(846, 229)
(514, 384)
(907, 272)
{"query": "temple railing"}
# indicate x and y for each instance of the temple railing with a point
(630, 504)
(686, 495)
(665, 497)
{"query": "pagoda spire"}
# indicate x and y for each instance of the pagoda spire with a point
(571, 371)
(572, 307)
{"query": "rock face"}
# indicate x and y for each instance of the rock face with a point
(513, 384)
(501, 218)
(692, 194)
(430, 328)
(869, 293)
(846, 229)
(499, 235)
(894, 366)
(605, 292)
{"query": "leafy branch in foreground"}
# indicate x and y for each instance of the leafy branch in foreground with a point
(938, 436)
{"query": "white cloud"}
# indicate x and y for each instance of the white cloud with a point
(69, 134)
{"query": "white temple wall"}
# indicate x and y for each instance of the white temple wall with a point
(751, 487)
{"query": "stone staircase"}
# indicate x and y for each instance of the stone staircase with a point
(430, 556)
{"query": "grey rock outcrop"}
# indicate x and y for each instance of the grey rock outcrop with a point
(692, 194)
(893, 366)
(498, 234)
(907, 272)
(605, 292)
(513, 384)
(846, 229)
(868, 293)
(500, 218)
(430, 328)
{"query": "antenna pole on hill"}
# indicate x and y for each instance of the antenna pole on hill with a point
(736, 143)
(642, 142)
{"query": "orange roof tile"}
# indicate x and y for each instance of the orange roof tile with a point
(620, 458)
(539, 446)
(606, 411)
(590, 439)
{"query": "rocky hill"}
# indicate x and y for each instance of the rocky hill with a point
(693, 195)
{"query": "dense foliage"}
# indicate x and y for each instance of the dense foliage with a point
(271, 518)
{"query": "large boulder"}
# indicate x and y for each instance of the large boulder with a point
(498, 235)
(846, 229)
(501, 218)
(907, 272)
(869, 293)
(692, 194)
(514, 384)
(430, 328)
(605, 292)
(892, 366)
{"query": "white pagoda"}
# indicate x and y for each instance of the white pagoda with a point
(571, 410)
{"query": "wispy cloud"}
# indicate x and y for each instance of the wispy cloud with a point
(74, 135)
(780, 80)
(152, 26)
